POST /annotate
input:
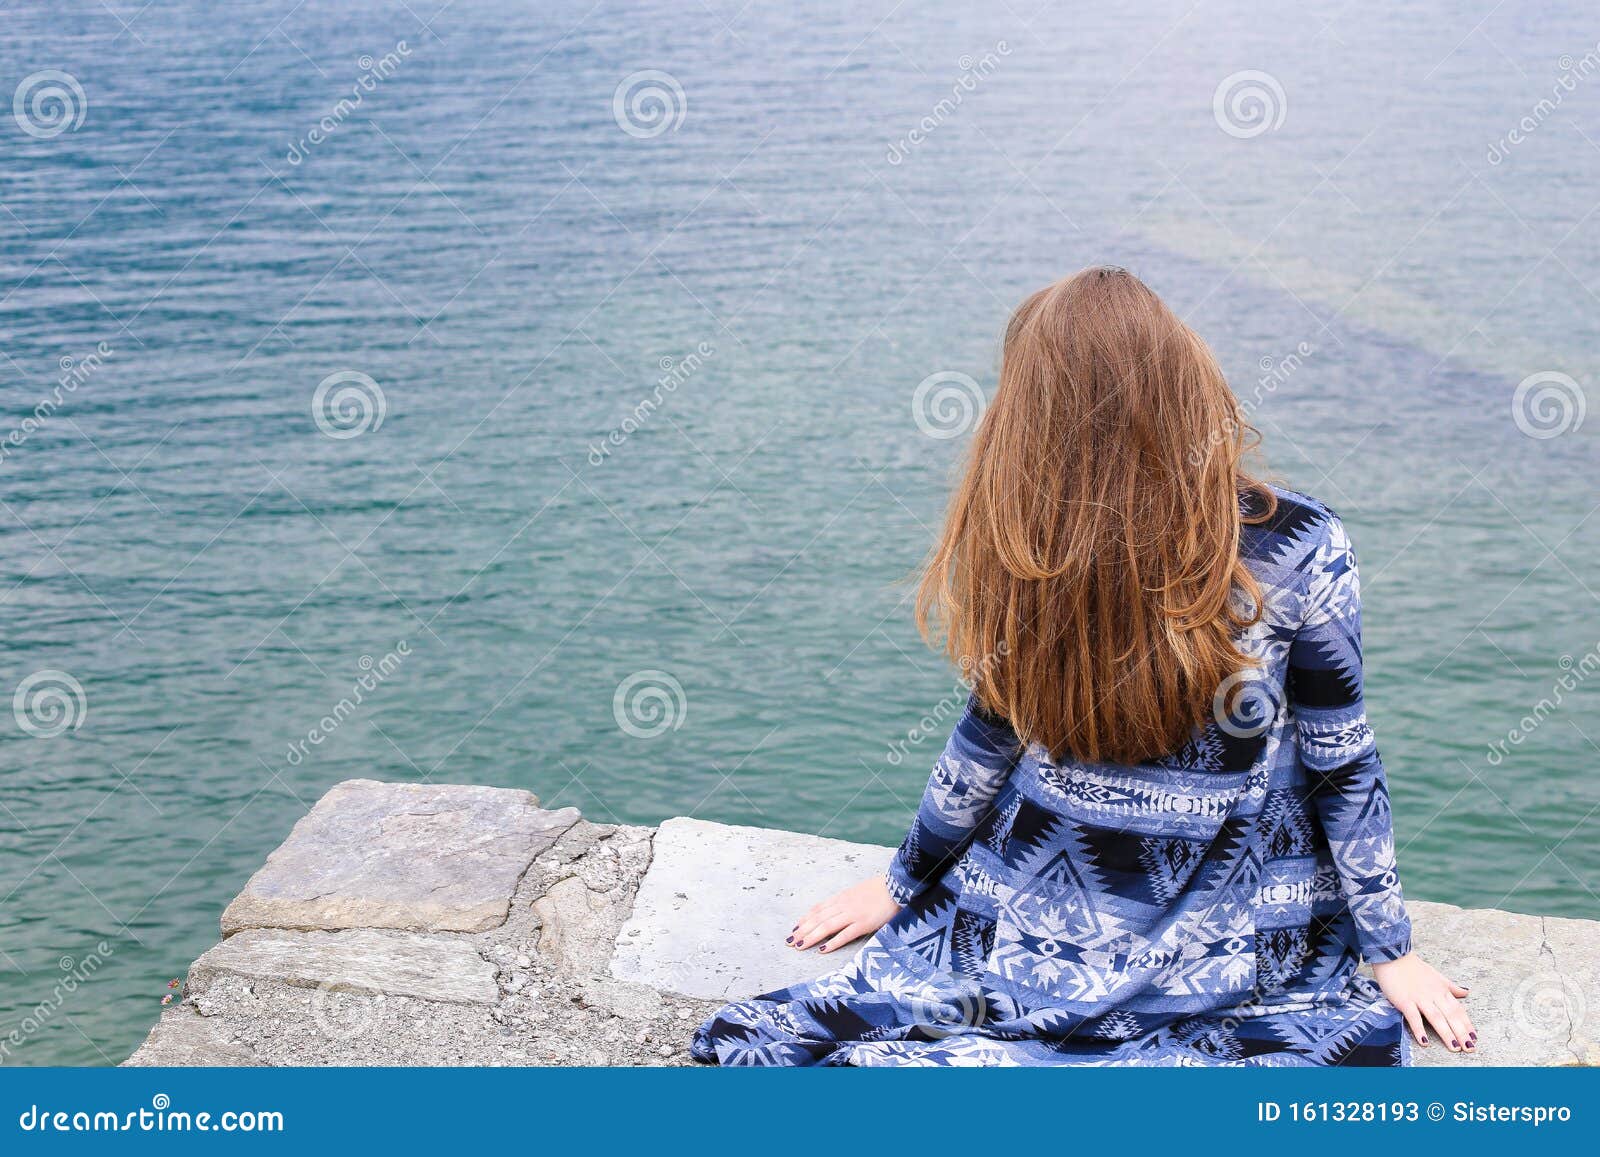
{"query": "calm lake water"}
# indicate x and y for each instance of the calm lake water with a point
(516, 259)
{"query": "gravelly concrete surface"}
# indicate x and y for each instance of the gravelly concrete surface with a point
(606, 928)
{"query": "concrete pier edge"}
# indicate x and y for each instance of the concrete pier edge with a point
(429, 924)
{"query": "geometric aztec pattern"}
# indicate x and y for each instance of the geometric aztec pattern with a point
(1208, 908)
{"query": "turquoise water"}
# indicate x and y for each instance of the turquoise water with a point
(482, 239)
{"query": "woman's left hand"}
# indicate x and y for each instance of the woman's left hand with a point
(1422, 993)
(859, 910)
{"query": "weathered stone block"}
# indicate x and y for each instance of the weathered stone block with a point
(423, 857)
(717, 901)
(576, 926)
(361, 960)
(1534, 981)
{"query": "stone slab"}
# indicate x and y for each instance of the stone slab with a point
(717, 901)
(578, 927)
(421, 857)
(1575, 944)
(362, 960)
(1534, 981)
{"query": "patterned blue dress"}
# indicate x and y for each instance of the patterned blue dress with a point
(1208, 908)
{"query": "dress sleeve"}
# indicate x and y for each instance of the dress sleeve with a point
(1348, 788)
(976, 762)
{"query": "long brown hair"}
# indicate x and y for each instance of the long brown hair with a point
(1089, 567)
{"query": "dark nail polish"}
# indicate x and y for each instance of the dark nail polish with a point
(788, 939)
(1455, 1044)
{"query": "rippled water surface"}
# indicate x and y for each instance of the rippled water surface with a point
(481, 238)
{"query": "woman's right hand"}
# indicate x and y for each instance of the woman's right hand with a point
(859, 910)
(1424, 996)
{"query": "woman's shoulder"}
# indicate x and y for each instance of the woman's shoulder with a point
(1296, 530)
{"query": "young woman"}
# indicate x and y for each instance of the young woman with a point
(1160, 834)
